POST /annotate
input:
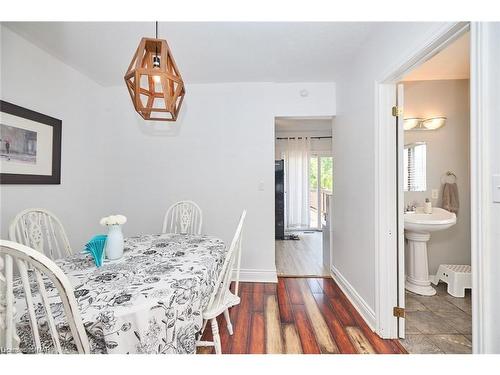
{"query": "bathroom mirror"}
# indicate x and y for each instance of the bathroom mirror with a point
(415, 167)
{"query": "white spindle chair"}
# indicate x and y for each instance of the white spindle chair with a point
(183, 217)
(42, 231)
(222, 298)
(37, 263)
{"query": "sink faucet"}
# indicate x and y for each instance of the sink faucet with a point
(411, 207)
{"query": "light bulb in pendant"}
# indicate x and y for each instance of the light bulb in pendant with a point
(156, 65)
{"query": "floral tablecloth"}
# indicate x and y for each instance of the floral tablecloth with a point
(149, 301)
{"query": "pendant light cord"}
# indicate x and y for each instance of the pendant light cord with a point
(156, 47)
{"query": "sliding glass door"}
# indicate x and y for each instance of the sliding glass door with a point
(320, 186)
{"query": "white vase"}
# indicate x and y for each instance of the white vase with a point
(114, 242)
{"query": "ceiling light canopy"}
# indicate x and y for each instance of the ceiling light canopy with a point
(154, 82)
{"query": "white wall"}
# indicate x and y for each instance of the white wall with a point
(447, 150)
(33, 79)
(218, 152)
(354, 151)
(492, 250)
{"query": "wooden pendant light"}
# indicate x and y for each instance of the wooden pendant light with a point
(154, 82)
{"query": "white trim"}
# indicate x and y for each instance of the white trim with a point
(385, 224)
(258, 276)
(355, 298)
(480, 193)
(385, 238)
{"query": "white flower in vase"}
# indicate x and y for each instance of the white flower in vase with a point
(114, 241)
(113, 220)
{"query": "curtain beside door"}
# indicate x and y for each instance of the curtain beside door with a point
(296, 154)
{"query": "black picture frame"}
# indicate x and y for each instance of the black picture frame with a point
(25, 179)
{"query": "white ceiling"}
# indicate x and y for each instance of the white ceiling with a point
(205, 52)
(296, 124)
(453, 62)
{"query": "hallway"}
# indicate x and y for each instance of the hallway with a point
(302, 257)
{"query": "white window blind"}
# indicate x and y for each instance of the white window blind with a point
(415, 167)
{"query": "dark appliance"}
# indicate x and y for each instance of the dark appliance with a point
(279, 199)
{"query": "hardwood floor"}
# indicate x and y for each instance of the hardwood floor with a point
(297, 315)
(302, 257)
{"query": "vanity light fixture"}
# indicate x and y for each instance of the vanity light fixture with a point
(416, 123)
(410, 123)
(154, 82)
(434, 123)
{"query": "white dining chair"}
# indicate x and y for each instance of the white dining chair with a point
(184, 217)
(40, 269)
(222, 298)
(41, 230)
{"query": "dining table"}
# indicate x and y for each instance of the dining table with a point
(149, 301)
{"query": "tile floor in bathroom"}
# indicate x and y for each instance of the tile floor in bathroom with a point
(438, 324)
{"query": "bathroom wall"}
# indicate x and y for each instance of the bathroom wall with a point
(447, 149)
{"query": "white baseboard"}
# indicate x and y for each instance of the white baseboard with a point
(258, 276)
(357, 301)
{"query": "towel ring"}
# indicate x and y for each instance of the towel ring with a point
(449, 174)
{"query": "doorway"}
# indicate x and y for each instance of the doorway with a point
(304, 181)
(436, 189)
(390, 289)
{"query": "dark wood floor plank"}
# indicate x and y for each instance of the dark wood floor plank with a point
(258, 297)
(241, 328)
(257, 334)
(341, 312)
(315, 285)
(270, 288)
(246, 287)
(337, 330)
(329, 287)
(294, 292)
(286, 315)
(305, 331)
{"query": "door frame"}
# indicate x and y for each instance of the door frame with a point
(386, 233)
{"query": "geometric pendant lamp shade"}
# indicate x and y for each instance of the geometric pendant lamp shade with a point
(154, 82)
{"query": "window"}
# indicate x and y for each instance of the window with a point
(415, 167)
(320, 185)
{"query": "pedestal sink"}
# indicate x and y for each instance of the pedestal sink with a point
(418, 227)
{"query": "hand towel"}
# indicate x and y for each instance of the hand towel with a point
(450, 197)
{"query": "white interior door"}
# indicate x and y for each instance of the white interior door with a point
(400, 206)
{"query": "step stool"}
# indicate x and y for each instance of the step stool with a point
(458, 277)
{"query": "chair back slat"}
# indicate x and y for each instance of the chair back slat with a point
(48, 311)
(23, 271)
(7, 303)
(35, 270)
(184, 217)
(226, 275)
(42, 231)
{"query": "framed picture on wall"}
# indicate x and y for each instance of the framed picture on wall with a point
(30, 146)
